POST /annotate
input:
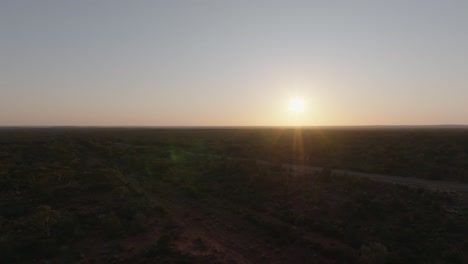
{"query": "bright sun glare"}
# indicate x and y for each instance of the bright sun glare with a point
(296, 105)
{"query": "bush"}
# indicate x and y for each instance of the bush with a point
(374, 253)
(138, 223)
(69, 228)
(111, 224)
(161, 248)
(46, 218)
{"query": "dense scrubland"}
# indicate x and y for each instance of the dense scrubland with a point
(202, 196)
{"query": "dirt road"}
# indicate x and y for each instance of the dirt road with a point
(408, 181)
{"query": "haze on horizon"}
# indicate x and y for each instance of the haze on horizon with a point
(233, 63)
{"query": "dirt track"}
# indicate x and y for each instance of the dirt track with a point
(409, 181)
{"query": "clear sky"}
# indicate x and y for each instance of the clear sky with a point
(239, 62)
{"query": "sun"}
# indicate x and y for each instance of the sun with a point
(296, 105)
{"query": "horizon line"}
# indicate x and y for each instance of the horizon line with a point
(232, 126)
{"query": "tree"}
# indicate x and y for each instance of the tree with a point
(47, 217)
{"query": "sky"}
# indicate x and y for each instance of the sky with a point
(233, 63)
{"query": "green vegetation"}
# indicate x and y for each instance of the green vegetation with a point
(207, 196)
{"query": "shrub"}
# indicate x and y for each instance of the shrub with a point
(111, 224)
(374, 253)
(161, 248)
(47, 218)
(138, 223)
